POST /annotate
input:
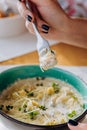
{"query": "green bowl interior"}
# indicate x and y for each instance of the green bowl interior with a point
(11, 75)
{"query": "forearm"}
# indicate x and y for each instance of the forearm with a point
(77, 33)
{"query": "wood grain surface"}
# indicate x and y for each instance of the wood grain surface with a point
(67, 55)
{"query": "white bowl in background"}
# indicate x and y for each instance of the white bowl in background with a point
(12, 26)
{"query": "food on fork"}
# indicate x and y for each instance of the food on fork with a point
(47, 60)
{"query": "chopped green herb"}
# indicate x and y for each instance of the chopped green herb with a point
(83, 106)
(74, 97)
(72, 114)
(37, 78)
(26, 90)
(19, 109)
(1, 107)
(9, 107)
(43, 108)
(42, 78)
(24, 106)
(37, 84)
(30, 94)
(41, 84)
(56, 87)
(33, 114)
(25, 110)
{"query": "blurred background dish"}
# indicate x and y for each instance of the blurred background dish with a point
(12, 24)
(74, 8)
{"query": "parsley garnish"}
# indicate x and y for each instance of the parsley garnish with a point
(33, 114)
(43, 108)
(1, 107)
(30, 94)
(9, 107)
(72, 114)
(24, 106)
(56, 87)
(19, 109)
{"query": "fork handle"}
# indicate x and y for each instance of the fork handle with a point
(39, 37)
(34, 23)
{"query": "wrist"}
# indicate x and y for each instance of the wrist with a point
(75, 32)
(64, 32)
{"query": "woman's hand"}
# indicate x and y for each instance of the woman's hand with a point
(51, 20)
(73, 125)
(53, 23)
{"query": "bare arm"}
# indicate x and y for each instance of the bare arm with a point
(77, 33)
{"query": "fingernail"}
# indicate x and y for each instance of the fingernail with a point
(45, 32)
(20, 0)
(72, 122)
(45, 27)
(29, 18)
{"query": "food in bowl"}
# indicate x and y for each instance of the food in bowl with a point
(4, 15)
(41, 101)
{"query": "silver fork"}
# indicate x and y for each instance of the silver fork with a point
(47, 56)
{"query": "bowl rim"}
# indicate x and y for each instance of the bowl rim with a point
(80, 117)
(40, 126)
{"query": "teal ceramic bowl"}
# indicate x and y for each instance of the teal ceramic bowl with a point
(11, 75)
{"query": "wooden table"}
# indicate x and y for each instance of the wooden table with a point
(67, 55)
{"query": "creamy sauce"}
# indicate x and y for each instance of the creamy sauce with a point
(41, 101)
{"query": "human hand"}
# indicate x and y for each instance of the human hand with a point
(73, 125)
(51, 20)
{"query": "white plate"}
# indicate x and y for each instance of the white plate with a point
(17, 46)
(2, 127)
